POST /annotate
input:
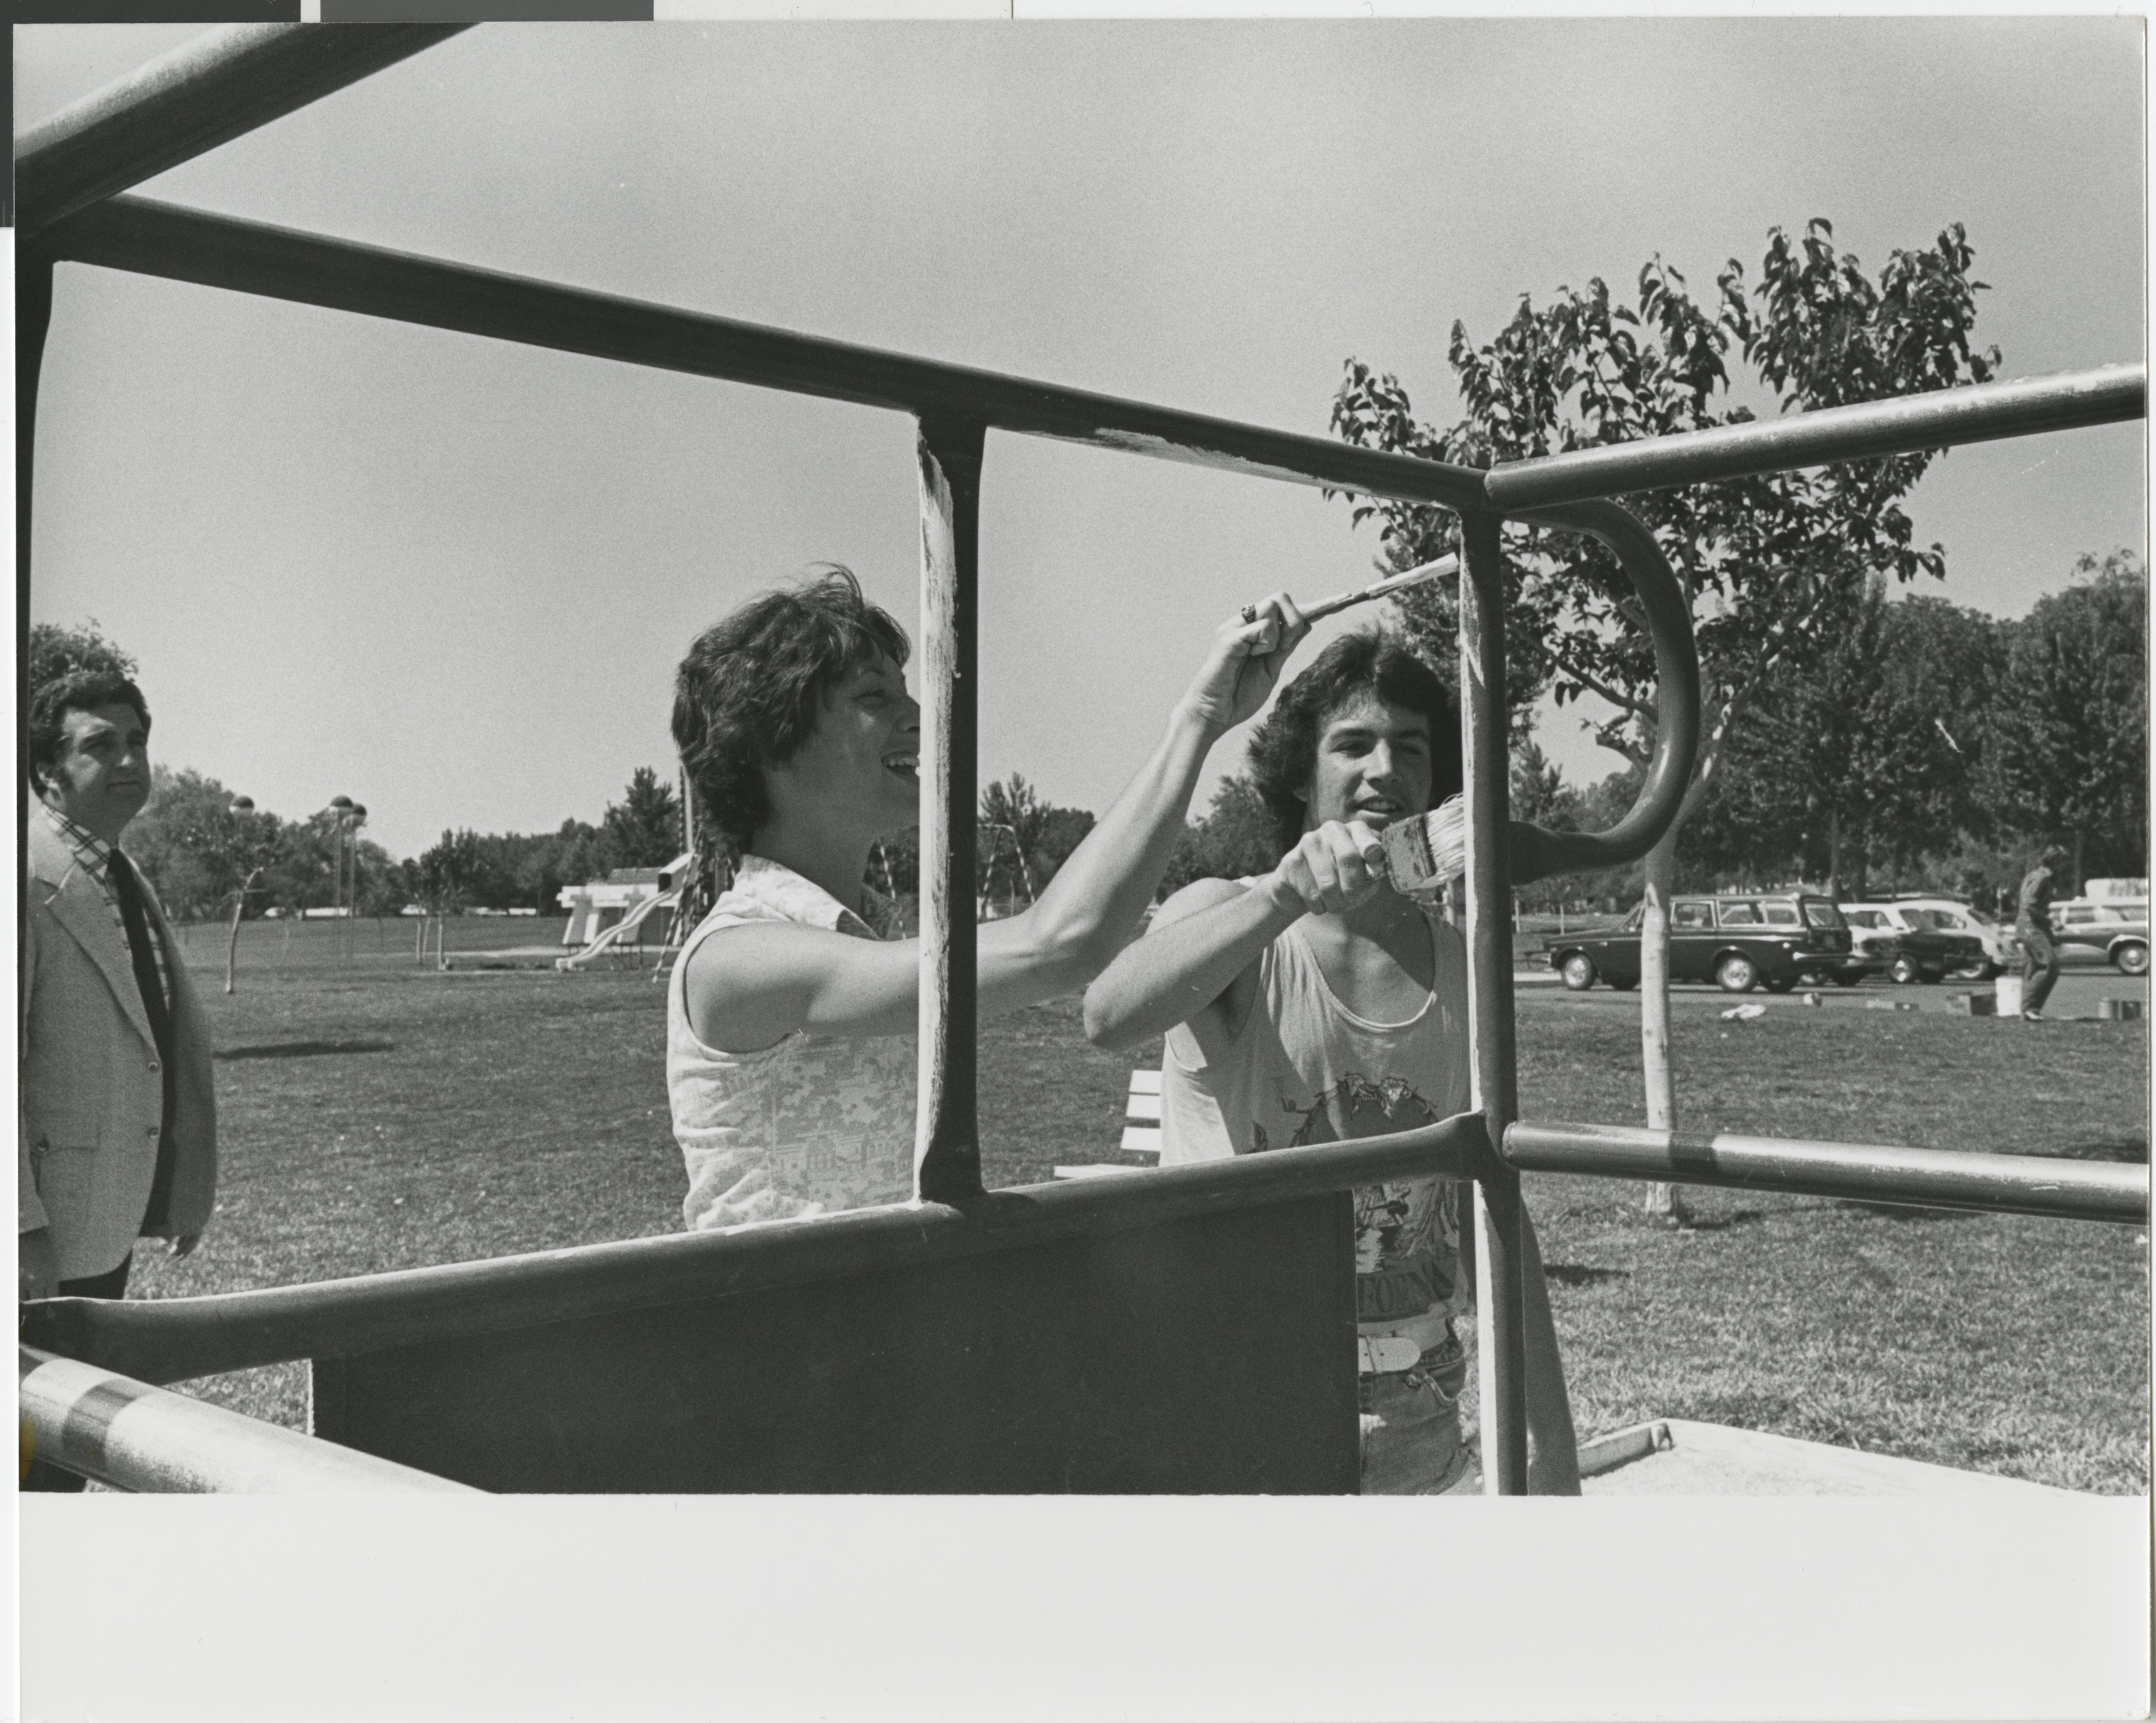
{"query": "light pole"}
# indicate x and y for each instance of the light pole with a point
(346, 816)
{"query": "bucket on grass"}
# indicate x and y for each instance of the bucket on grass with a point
(2007, 991)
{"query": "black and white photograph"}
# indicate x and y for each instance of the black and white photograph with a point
(939, 817)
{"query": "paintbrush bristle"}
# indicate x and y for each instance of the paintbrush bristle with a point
(1424, 852)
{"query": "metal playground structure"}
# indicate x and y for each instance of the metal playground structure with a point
(1179, 1330)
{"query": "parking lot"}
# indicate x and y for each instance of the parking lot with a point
(2081, 987)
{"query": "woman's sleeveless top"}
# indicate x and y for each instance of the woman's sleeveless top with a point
(810, 1125)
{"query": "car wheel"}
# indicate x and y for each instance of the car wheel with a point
(2131, 957)
(1782, 984)
(1972, 971)
(1736, 974)
(1902, 971)
(1577, 971)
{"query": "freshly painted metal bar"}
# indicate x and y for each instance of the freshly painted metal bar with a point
(1537, 854)
(134, 1437)
(204, 93)
(1925, 1178)
(1490, 1032)
(174, 1340)
(1980, 413)
(181, 245)
(947, 1148)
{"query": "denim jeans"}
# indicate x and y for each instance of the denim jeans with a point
(1412, 1444)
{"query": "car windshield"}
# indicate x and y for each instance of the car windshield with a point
(1822, 914)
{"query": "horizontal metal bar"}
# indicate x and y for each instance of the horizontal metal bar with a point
(206, 92)
(134, 1437)
(172, 1340)
(180, 244)
(1922, 1178)
(1981, 413)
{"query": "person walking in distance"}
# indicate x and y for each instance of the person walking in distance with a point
(117, 1121)
(2032, 926)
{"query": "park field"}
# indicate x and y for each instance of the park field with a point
(377, 1114)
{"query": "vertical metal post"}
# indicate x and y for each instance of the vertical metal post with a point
(33, 314)
(946, 1146)
(1503, 1330)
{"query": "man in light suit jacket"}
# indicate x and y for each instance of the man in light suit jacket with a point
(118, 1122)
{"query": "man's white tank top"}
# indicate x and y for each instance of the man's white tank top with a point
(1306, 1069)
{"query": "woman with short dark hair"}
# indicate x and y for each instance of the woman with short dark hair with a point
(791, 1060)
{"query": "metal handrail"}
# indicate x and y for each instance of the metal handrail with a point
(176, 1340)
(1924, 1178)
(127, 1435)
(206, 92)
(1537, 852)
(1974, 412)
(180, 244)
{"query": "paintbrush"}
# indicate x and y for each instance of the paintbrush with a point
(1424, 850)
(1383, 589)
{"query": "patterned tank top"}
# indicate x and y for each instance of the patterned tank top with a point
(1306, 1069)
(810, 1125)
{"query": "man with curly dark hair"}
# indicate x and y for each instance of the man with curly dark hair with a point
(1315, 1005)
(791, 1060)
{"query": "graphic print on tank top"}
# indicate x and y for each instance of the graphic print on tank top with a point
(1407, 1231)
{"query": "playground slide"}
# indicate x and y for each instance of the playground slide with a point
(618, 933)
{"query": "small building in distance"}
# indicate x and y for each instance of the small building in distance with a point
(597, 904)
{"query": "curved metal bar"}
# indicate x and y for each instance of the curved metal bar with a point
(174, 1340)
(1537, 853)
(1865, 1172)
(1979, 412)
(206, 92)
(134, 1437)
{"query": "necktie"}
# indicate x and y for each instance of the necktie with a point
(128, 890)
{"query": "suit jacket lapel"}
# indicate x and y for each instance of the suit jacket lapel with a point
(79, 904)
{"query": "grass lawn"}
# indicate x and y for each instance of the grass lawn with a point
(375, 1115)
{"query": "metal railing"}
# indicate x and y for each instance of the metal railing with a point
(134, 1437)
(67, 171)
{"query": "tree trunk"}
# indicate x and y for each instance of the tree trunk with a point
(231, 950)
(1834, 855)
(1664, 1202)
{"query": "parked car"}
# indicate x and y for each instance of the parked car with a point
(2001, 950)
(1914, 942)
(2108, 929)
(1773, 939)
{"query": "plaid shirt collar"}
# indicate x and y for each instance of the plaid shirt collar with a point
(92, 853)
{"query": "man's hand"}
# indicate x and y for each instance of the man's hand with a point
(37, 1265)
(1248, 655)
(1339, 866)
(184, 1245)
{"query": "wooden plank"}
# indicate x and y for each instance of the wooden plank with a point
(1211, 1355)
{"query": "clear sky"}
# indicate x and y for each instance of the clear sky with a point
(450, 577)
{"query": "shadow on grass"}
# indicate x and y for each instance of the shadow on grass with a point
(303, 1050)
(1902, 1211)
(1577, 1275)
(2133, 1149)
(1724, 1222)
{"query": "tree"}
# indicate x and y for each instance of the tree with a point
(1236, 839)
(645, 827)
(447, 873)
(2068, 748)
(53, 651)
(1760, 558)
